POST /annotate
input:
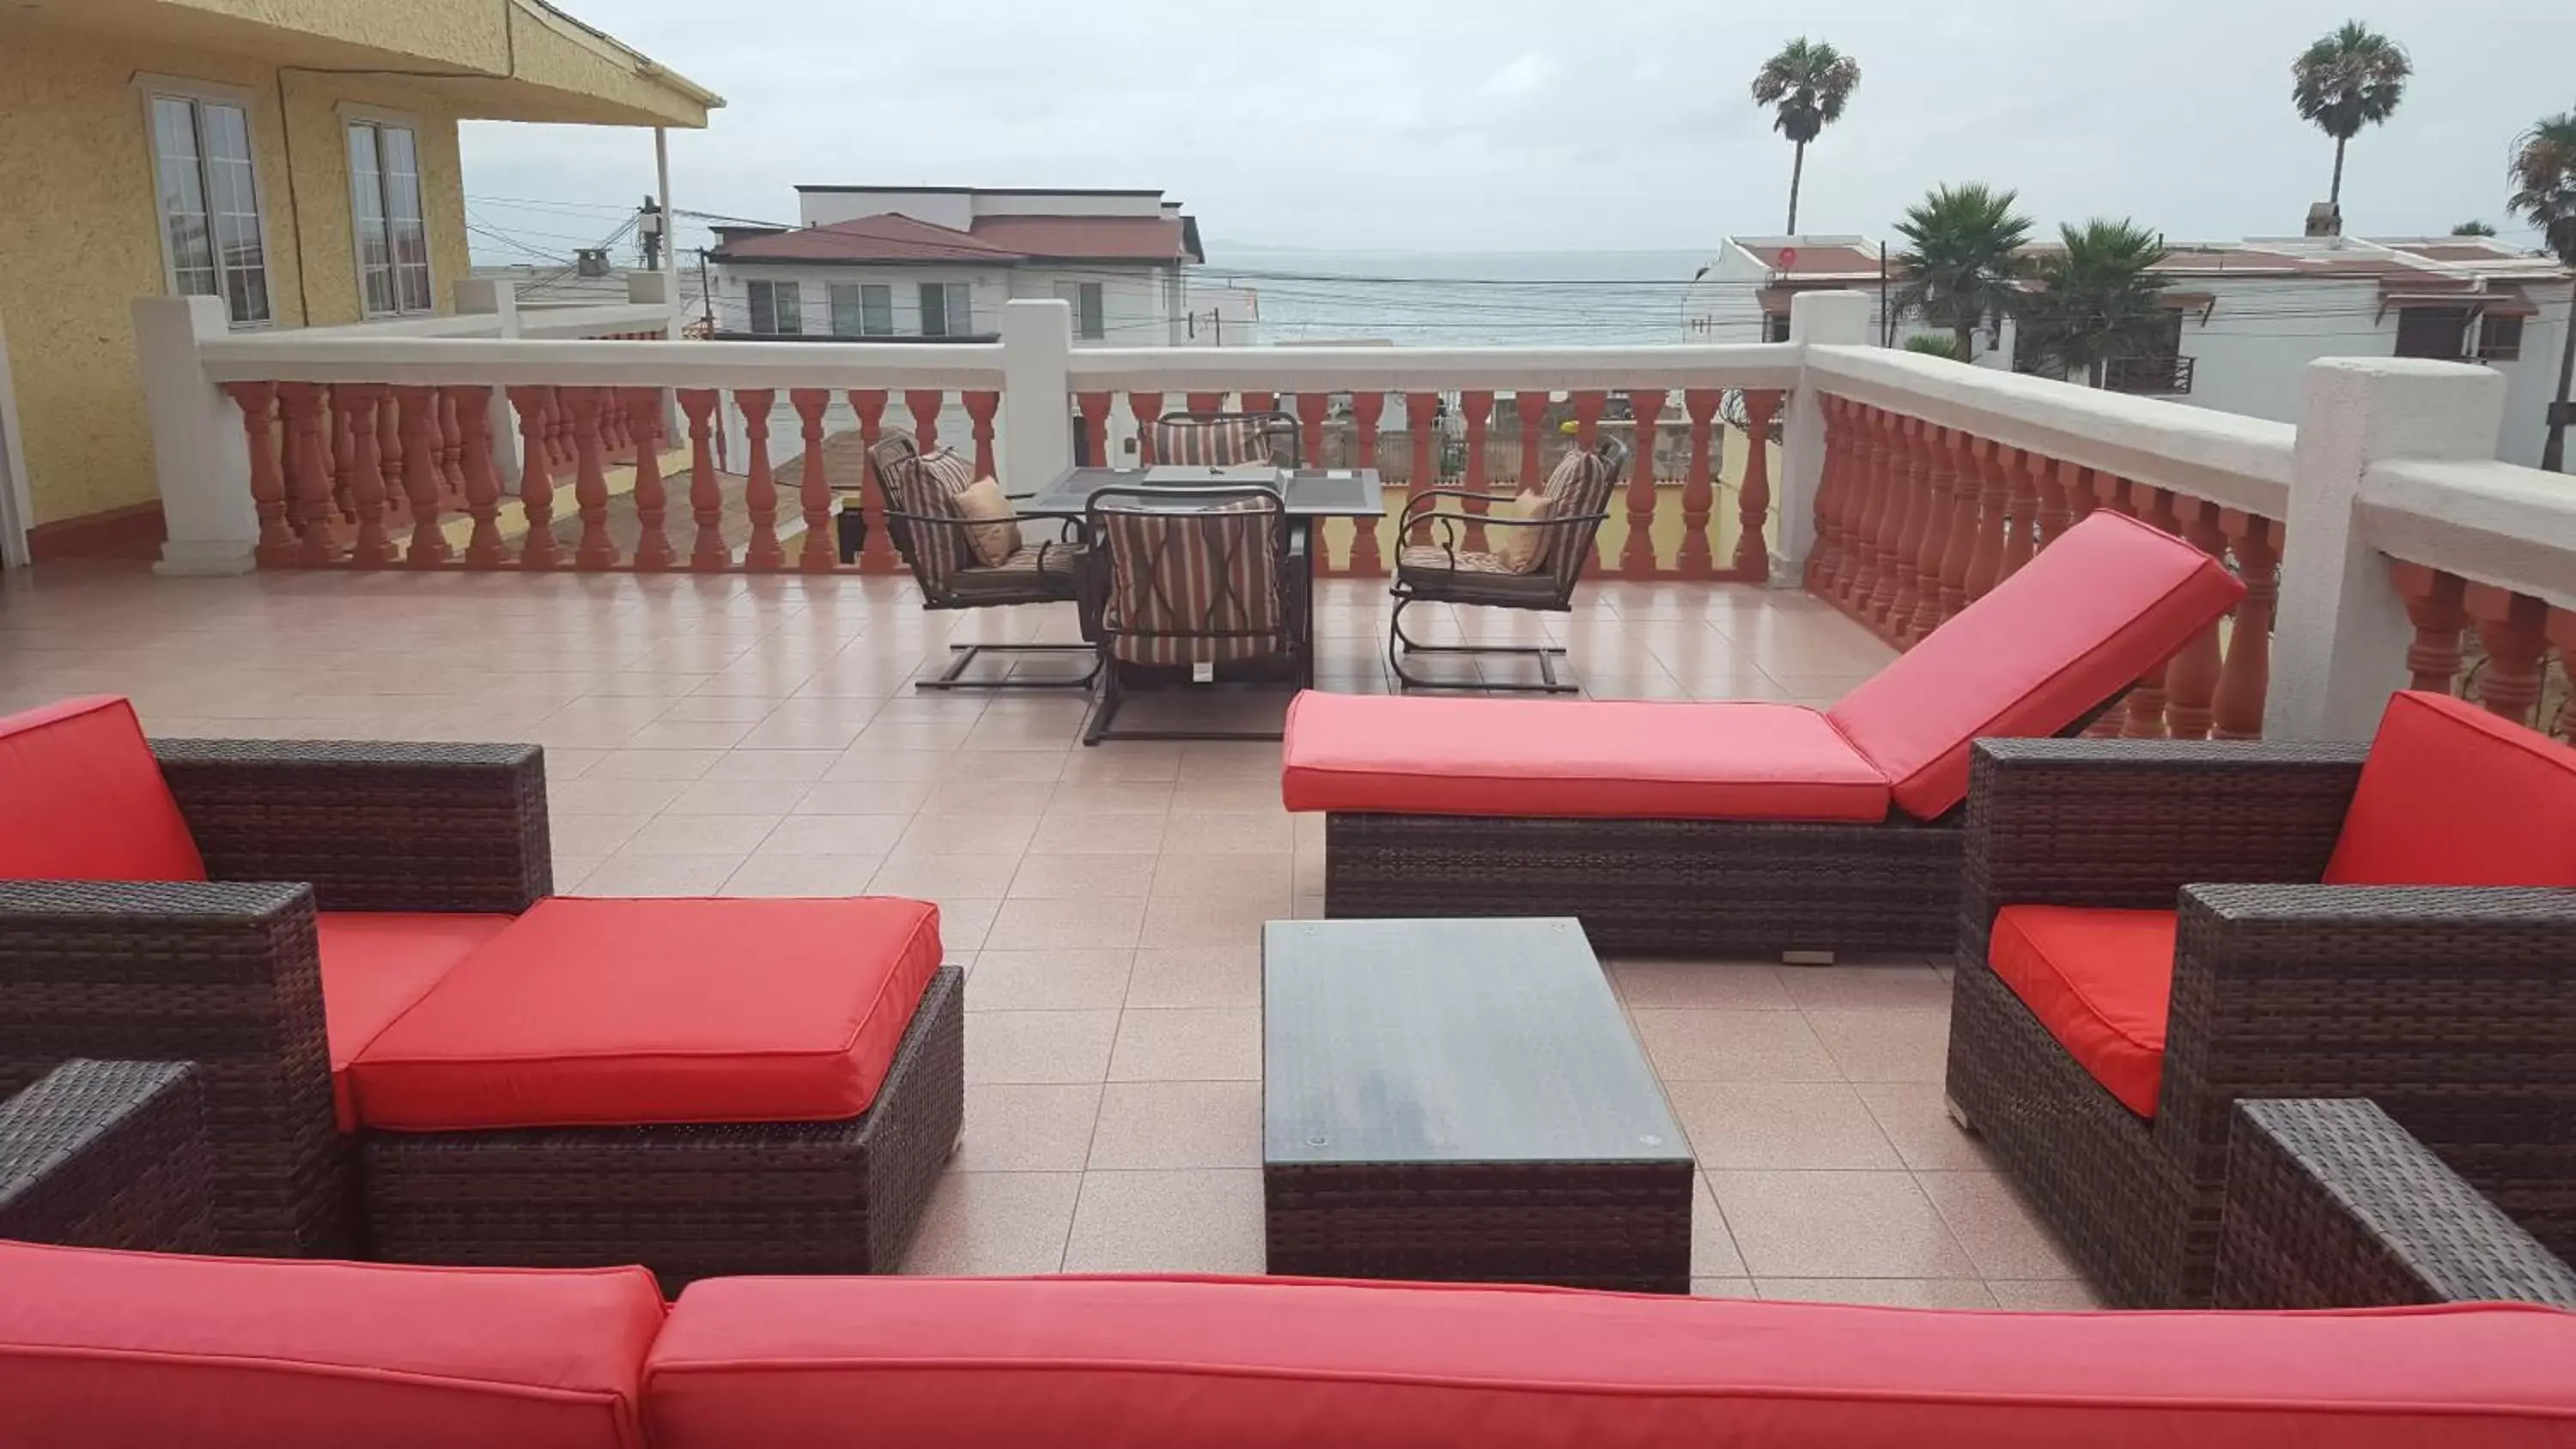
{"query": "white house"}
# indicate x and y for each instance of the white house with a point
(2246, 317)
(935, 263)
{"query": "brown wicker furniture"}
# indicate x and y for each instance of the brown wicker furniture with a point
(2451, 1007)
(1462, 1101)
(2331, 1204)
(1443, 570)
(108, 1155)
(936, 541)
(1191, 578)
(1222, 439)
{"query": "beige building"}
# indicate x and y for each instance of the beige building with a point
(297, 158)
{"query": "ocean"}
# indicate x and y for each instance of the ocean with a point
(1459, 299)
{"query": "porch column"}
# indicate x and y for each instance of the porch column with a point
(1816, 319)
(1037, 392)
(497, 298)
(198, 456)
(2340, 638)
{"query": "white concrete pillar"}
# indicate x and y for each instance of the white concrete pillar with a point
(199, 453)
(1818, 319)
(1033, 440)
(497, 298)
(2339, 641)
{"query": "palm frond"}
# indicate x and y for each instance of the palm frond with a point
(2543, 173)
(2348, 79)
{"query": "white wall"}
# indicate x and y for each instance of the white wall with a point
(989, 288)
(1135, 308)
(958, 209)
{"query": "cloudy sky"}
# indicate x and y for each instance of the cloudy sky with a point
(1514, 125)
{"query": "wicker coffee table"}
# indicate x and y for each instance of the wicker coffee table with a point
(1461, 1100)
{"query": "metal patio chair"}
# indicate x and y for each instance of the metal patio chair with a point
(1187, 577)
(1220, 439)
(936, 542)
(1445, 571)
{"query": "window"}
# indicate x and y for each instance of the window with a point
(2500, 339)
(1775, 327)
(2435, 332)
(864, 309)
(384, 206)
(209, 198)
(1088, 322)
(946, 310)
(776, 309)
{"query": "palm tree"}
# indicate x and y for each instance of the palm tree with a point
(2097, 299)
(2473, 228)
(1959, 259)
(2349, 79)
(1810, 82)
(2544, 194)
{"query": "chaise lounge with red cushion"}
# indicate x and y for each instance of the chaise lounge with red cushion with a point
(2153, 932)
(410, 1046)
(1704, 827)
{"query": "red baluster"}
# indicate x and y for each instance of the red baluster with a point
(1420, 427)
(815, 486)
(536, 483)
(1904, 576)
(642, 415)
(364, 405)
(417, 428)
(2060, 490)
(759, 488)
(1829, 494)
(471, 407)
(876, 555)
(597, 550)
(267, 480)
(1753, 498)
(979, 414)
(1985, 471)
(2514, 629)
(1532, 407)
(2191, 679)
(390, 456)
(559, 428)
(1637, 551)
(1095, 426)
(1699, 501)
(708, 553)
(1932, 543)
(924, 404)
(1479, 409)
(1893, 568)
(2021, 507)
(1858, 578)
(1145, 407)
(451, 449)
(1366, 409)
(2246, 678)
(1207, 402)
(1959, 543)
(308, 474)
(2434, 606)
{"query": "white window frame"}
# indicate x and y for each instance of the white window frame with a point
(949, 294)
(885, 293)
(751, 315)
(1073, 294)
(352, 116)
(149, 88)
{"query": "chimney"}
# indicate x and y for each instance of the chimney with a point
(2325, 219)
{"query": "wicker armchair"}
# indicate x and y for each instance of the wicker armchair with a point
(1187, 577)
(2451, 1007)
(936, 542)
(1444, 571)
(1220, 440)
(226, 973)
(109, 1155)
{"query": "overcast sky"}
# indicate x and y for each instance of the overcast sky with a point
(1514, 125)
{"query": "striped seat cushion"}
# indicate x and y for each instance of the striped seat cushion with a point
(1465, 560)
(1037, 572)
(1195, 585)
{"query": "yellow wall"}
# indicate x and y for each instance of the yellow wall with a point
(83, 239)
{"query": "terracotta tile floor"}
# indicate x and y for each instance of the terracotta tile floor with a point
(760, 736)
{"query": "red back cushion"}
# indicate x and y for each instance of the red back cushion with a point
(2453, 795)
(81, 798)
(1074, 1363)
(136, 1349)
(2107, 602)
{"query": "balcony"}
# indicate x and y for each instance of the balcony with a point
(461, 538)
(2149, 376)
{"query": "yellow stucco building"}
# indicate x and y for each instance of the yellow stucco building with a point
(296, 157)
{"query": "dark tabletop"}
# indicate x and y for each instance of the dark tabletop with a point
(1450, 1041)
(1310, 493)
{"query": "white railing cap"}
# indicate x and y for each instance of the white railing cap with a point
(538, 362)
(2490, 523)
(1434, 369)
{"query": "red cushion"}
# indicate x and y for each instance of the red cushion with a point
(81, 798)
(1073, 1363)
(1639, 759)
(2103, 605)
(2453, 795)
(611, 1012)
(139, 1350)
(374, 966)
(2101, 982)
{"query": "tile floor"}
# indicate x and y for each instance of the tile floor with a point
(761, 737)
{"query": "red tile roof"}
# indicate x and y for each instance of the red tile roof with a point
(1826, 258)
(995, 240)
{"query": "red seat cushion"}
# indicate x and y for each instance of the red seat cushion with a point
(2101, 982)
(81, 798)
(1638, 759)
(129, 1350)
(628, 1012)
(2107, 602)
(374, 966)
(1074, 1363)
(2453, 795)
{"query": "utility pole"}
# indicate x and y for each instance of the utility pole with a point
(706, 294)
(648, 231)
(2562, 413)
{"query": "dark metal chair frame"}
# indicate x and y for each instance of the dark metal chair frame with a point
(898, 450)
(1287, 569)
(2451, 1007)
(1287, 445)
(1576, 533)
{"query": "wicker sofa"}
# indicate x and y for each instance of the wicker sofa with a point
(410, 1048)
(2400, 930)
(1738, 827)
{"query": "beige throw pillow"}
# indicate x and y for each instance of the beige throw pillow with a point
(995, 530)
(1519, 550)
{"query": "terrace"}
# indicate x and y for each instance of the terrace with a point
(727, 707)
